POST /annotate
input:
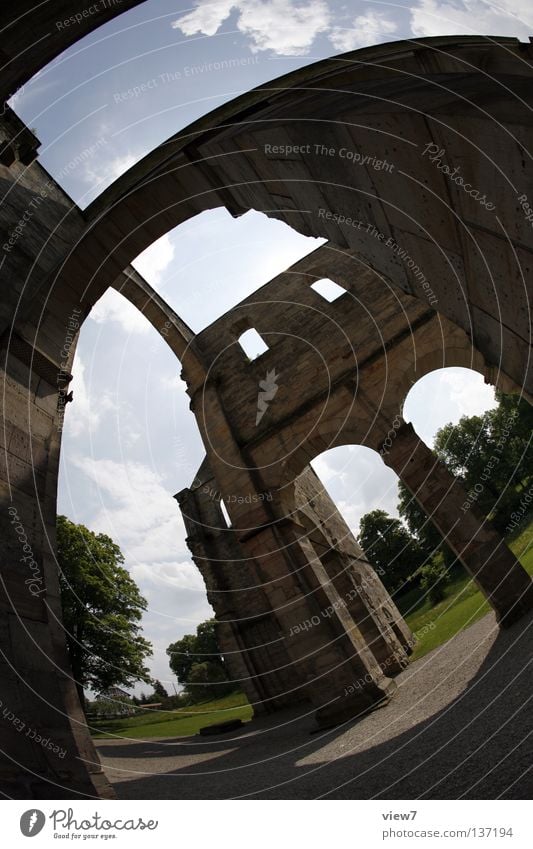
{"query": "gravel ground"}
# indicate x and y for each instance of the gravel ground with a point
(456, 728)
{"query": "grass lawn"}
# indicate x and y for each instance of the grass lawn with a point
(175, 723)
(464, 603)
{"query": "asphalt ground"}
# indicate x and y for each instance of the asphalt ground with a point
(458, 727)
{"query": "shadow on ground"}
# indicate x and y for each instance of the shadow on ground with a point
(458, 727)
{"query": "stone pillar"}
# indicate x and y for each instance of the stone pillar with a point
(342, 676)
(47, 751)
(288, 633)
(329, 661)
(247, 630)
(367, 600)
(478, 546)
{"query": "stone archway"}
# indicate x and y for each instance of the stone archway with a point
(237, 157)
(256, 468)
(282, 149)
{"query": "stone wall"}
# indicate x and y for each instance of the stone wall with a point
(432, 285)
(255, 637)
(42, 727)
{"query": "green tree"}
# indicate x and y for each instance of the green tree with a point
(492, 455)
(159, 690)
(519, 443)
(102, 609)
(208, 681)
(207, 644)
(434, 576)
(182, 656)
(199, 650)
(119, 706)
(465, 449)
(421, 528)
(390, 549)
(195, 648)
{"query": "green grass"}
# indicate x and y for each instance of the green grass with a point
(176, 723)
(464, 603)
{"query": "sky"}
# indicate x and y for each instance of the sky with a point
(130, 441)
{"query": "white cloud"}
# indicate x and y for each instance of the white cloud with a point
(284, 26)
(291, 27)
(136, 510)
(139, 513)
(87, 414)
(371, 28)
(173, 381)
(205, 18)
(444, 396)
(113, 306)
(324, 470)
(505, 18)
(154, 260)
(172, 573)
(357, 480)
(100, 173)
(467, 390)
(240, 251)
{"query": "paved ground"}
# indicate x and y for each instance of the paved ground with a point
(457, 728)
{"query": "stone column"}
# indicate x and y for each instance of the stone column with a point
(478, 546)
(47, 751)
(342, 677)
(330, 661)
(247, 630)
(367, 600)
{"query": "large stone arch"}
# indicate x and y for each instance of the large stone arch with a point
(383, 105)
(34, 34)
(478, 269)
(361, 401)
(346, 367)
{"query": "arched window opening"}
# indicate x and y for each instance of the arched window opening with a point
(443, 396)
(252, 343)
(225, 513)
(481, 438)
(129, 443)
(208, 264)
(478, 438)
(328, 290)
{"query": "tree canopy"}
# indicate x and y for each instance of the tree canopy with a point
(492, 455)
(102, 610)
(421, 528)
(390, 549)
(198, 664)
(195, 648)
(159, 690)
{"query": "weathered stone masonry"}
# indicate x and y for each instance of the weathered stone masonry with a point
(337, 572)
(287, 559)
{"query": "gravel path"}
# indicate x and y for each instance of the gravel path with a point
(456, 728)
